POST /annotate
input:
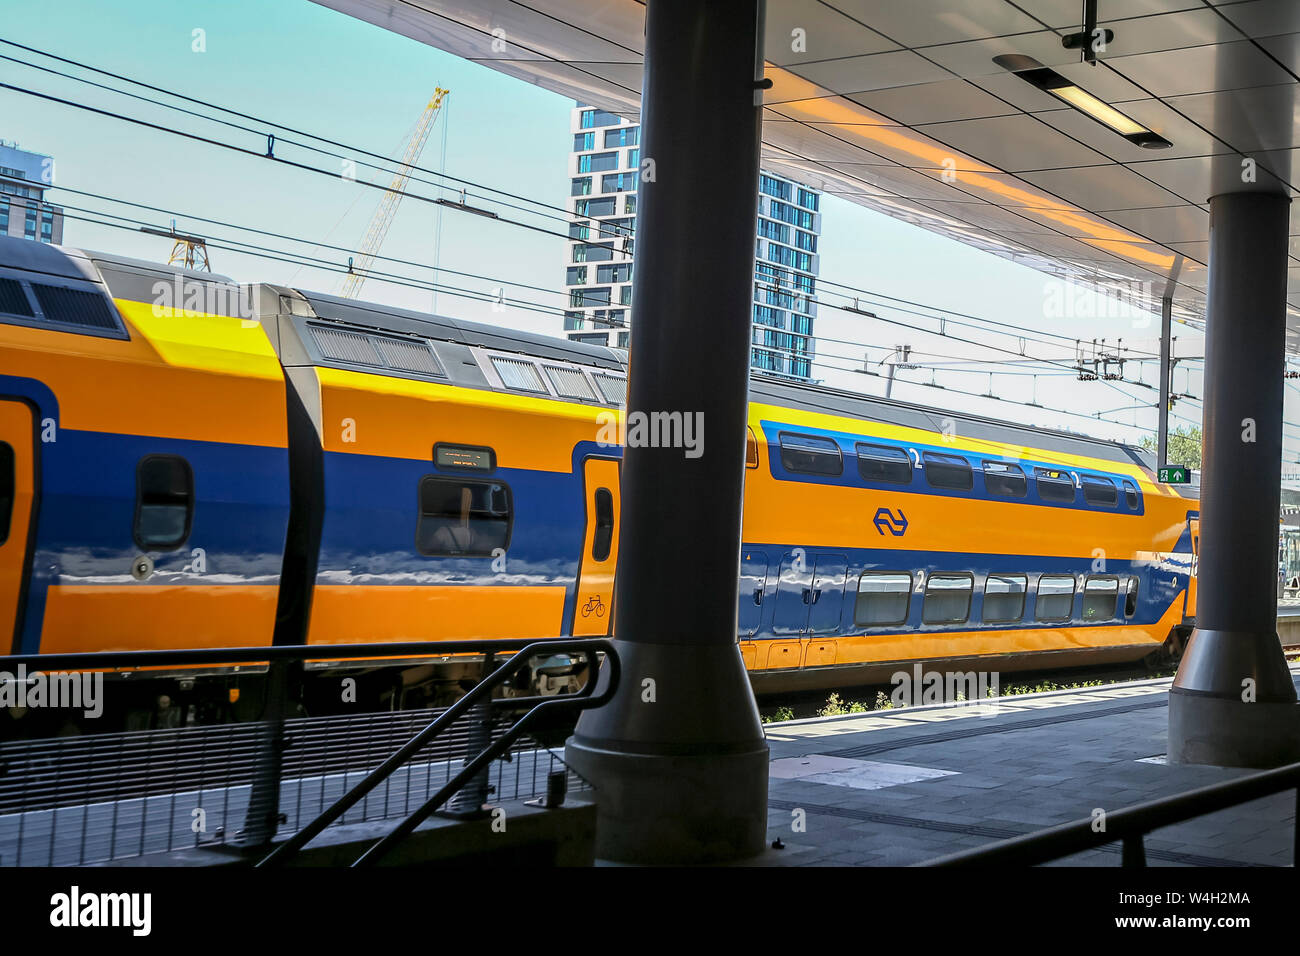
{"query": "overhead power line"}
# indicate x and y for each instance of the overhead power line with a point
(387, 166)
(566, 215)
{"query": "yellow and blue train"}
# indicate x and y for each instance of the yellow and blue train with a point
(186, 462)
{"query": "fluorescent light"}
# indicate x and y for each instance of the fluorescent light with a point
(1102, 112)
(1049, 81)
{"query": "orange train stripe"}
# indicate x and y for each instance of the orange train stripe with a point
(144, 617)
(355, 614)
(831, 515)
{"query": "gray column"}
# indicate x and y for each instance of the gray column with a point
(679, 757)
(1233, 702)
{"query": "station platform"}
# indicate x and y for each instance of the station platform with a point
(898, 787)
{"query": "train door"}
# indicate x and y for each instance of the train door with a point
(753, 591)
(825, 607)
(792, 592)
(826, 599)
(1189, 598)
(17, 491)
(594, 615)
(809, 602)
(790, 613)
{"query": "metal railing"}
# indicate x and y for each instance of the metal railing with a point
(104, 796)
(481, 699)
(1130, 825)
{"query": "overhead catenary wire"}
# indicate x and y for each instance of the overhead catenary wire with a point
(606, 323)
(288, 238)
(460, 181)
(301, 260)
(270, 155)
(568, 216)
(298, 259)
(623, 230)
(1017, 331)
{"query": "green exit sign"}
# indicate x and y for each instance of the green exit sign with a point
(1174, 475)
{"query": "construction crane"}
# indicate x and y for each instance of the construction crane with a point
(387, 209)
(188, 251)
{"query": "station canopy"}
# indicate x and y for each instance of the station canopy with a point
(971, 118)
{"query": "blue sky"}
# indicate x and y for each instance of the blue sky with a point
(314, 69)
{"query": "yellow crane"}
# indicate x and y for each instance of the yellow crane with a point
(387, 209)
(188, 251)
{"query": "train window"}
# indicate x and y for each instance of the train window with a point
(810, 455)
(1004, 598)
(604, 537)
(613, 387)
(948, 471)
(947, 598)
(1054, 485)
(409, 355)
(1131, 497)
(883, 463)
(164, 502)
(569, 383)
(883, 598)
(8, 489)
(345, 346)
(519, 374)
(13, 300)
(75, 307)
(1004, 479)
(463, 517)
(1099, 595)
(751, 449)
(1131, 596)
(1099, 491)
(1055, 598)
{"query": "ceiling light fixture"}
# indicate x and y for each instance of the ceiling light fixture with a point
(1049, 81)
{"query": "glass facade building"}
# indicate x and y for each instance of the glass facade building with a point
(24, 177)
(604, 173)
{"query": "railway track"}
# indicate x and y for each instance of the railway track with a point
(803, 704)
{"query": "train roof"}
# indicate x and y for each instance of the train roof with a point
(837, 401)
(772, 391)
(447, 329)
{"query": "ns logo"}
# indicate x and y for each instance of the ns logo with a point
(885, 520)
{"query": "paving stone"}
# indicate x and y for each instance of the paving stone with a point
(1010, 779)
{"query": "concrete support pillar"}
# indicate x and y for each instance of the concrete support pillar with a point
(1233, 702)
(678, 757)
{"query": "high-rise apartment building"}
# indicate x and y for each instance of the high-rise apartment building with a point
(604, 173)
(24, 177)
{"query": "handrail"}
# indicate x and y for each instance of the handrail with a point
(584, 699)
(262, 814)
(1131, 824)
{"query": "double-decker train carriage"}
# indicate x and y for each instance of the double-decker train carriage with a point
(185, 462)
